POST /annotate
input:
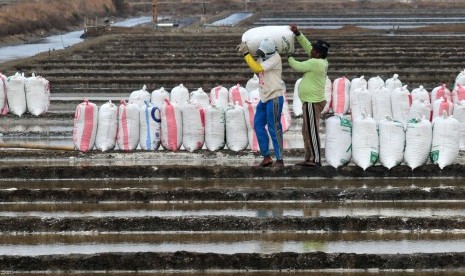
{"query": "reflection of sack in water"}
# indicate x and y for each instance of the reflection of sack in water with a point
(310, 246)
(282, 37)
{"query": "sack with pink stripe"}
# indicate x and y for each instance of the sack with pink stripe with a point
(439, 92)
(171, 126)
(219, 96)
(286, 118)
(442, 106)
(3, 98)
(238, 95)
(340, 100)
(460, 79)
(128, 126)
(85, 126)
(458, 94)
(193, 126)
(249, 112)
(215, 128)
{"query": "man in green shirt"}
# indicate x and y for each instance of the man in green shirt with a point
(312, 94)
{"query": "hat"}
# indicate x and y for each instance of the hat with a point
(322, 46)
(267, 46)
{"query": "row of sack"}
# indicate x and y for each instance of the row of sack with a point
(171, 125)
(389, 142)
(378, 98)
(20, 94)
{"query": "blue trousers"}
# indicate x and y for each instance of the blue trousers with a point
(268, 120)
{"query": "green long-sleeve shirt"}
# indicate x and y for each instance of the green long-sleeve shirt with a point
(312, 86)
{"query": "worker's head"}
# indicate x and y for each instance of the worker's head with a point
(321, 48)
(266, 49)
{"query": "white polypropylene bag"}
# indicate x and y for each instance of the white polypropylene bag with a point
(138, 97)
(159, 96)
(3, 97)
(282, 36)
(375, 83)
(419, 109)
(459, 114)
(439, 92)
(236, 129)
(296, 102)
(127, 137)
(360, 103)
(37, 95)
(421, 94)
(252, 83)
(171, 126)
(254, 95)
(381, 103)
(365, 142)
(357, 83)
(200, 98)
(460, 79)
(149, 126)
(328, 96)
(445, 144)
(85, 126)
(458, 94)
(219, 96)
(249, 113)
(107, 128)
(338, 143)
(286, 118)
(393, 83)
(238, 95)
(179, 95)
(193, 126)
(340, 100)
(391, 142)
(215, 128)
(442, 106)
(400, 104)
(16, 94)
(418, 138)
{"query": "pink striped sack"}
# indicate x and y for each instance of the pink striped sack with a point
(249, 112)
(340, 99)
(85, 126)
(128, 126)
(238, 95)
(171, 126)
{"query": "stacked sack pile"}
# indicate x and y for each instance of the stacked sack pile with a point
(382, 121)
(179, 118)
(19, 94)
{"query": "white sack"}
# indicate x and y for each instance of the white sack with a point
(200, 98)
(375, 83)
(459, 114)
(252, 83)
(328, 96)
(236, 128)
(381, 103)
(179, 95)
(420, 109)
(171, 126)
(282, 36)
(16, 94)
(296, 102)
(138, 97)
(215, 128)
(286, 118)
(393, 83)
(338, 143)
(219, 96)
(418, 138)
(107, 127)
(458, 94)
(360, 103)
(193, 126)
(400, 104)
(357, 83)
(3, 97)
(445, 144)
(421, 94)
(365, 142)
(460, 79)
(37, 95)
(159, 96)
(85, 126)
(391, 142)
(149, 127)
(127, 137)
